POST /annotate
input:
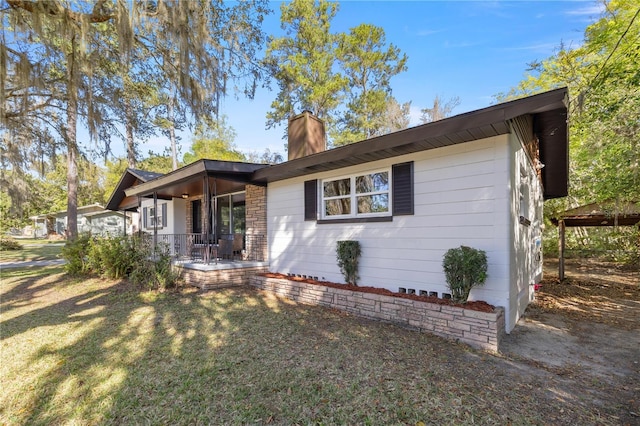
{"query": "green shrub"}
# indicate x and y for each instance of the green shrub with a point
(155, 272)
(76, 252)
(114, 257)
(165, 274)
(348, 255)
(121, 257)
(7, 243)
(464, 268)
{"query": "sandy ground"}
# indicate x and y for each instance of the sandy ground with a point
(586, 327)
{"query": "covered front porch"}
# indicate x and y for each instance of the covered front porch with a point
(209, 265)
(207, 216)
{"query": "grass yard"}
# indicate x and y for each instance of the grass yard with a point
(33, 250)
(92, 351)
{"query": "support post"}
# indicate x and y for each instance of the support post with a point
(561, 243)
(207, 207)
(155, 221)
(140, 213)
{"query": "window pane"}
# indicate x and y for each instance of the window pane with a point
(337, 207)
(337, 187)
(373, 203)
(372, 183)
(239, 224)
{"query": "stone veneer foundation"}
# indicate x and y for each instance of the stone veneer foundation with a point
(481, 330)
(209, 277)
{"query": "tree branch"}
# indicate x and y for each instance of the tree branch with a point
(53, 8)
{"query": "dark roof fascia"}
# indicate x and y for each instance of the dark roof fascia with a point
(126, 180)
(456, 129)
(144, 175)
(231, 170)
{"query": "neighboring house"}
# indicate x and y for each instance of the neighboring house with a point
(476, 179)
(94, 219)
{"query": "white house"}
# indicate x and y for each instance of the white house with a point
(94, 219)
(476, 179)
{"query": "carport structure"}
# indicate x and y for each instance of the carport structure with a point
(594, 214)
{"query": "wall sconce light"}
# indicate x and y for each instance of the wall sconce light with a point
(185, 195)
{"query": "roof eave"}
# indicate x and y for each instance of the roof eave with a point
(474, 125)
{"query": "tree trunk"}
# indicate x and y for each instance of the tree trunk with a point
(131, 146)
(72, 149)
(172, 136)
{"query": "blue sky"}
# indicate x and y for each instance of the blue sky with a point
(470, 49)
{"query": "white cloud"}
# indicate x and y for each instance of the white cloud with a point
(424, 33)
(590, 10)
(539, 47)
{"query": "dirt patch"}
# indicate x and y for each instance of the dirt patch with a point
(472, 305)
(586, 328)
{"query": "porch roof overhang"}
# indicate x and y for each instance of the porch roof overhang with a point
(548, 110)
(601, 214)
(189, 179)
(130, 177)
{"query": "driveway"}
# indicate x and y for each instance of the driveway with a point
(587, 326)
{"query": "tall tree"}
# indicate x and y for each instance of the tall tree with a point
(211, 43)
(343, 78)
(213, 140)
(439, 110)
(603, 78)
(368, 64)
(304, 62)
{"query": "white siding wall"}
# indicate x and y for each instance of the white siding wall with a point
(176, 216)
(462, 197)
(526, 240)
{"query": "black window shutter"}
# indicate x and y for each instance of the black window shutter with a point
(164, 215)
(402, 189)
(144, 217)
(311, 199)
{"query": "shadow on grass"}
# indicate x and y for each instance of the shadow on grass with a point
(32, 253)
(93, 351)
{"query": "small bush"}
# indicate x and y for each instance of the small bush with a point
(155, 272)
(348, 255)
(7, 244)
(464, 268)
(76, 252)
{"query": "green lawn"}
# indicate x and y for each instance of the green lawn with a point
(93, 351)
(33, 250)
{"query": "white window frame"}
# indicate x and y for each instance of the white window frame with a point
(353, 196)
(152, 219)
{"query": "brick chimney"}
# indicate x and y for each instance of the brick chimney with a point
(306, 135)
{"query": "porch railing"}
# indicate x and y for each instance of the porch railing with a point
(203, 248)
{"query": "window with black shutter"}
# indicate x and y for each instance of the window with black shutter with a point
(402, 189)
(311, 200)
(364, 197)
